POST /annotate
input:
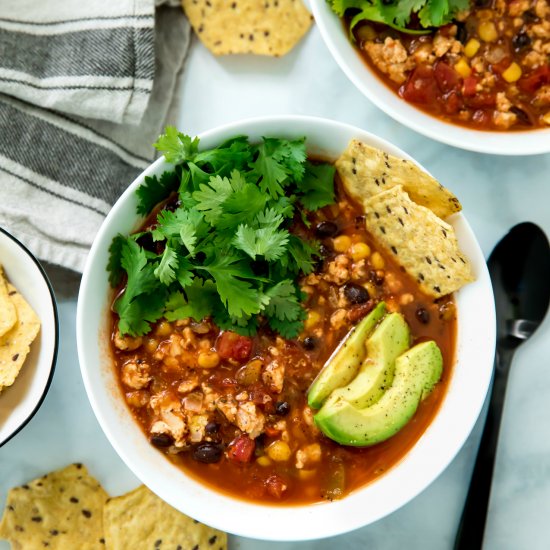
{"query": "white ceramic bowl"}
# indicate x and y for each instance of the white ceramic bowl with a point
(336, 38)
(20, 402)
(433, 452)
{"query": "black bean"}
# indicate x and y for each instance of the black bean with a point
(423, 315)
(212, 428)
(483, 3)
(529, 16)
(161, 440)
(207, 453)
(356, 294)
(282, 408)
(461, 32)
(326, 229)
(521, 40)
(309, 343)
(523, 117)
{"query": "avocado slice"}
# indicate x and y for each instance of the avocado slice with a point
(342, 365)
(389, 340)
(416, 373)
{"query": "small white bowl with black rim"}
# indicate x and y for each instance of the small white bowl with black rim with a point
(20, 401)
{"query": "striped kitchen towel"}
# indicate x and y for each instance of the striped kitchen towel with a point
(85, 89)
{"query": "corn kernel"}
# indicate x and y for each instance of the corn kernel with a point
(366, 32)
(546, 118)
(377, 261)
(472, 47)
(360, 251)
(341, 243)
(279, 451)
(164, 328)
(151, 345)
(263, 461)
(462, 68)
(208, 359)
(512, 73)
(487, 31)
(313, 318)
(306, 474)
(406, 299)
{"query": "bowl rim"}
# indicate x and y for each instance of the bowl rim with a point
(509, 143)
(56, 336)
(260, 512)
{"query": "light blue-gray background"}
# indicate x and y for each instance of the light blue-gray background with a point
(496, 193)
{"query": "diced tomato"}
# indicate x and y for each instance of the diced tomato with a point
(231, 345)
(259, 396)
(470, 86)
(241, 449)
(446, 77)
(481, 100)
(452, 102)
(534, 80)
(421, 86)
(276, 486)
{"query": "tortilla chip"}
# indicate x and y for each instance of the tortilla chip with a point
(8, 315)
(425, 246)
(15, 344)
(366, 171)
(61, 510)
(141, 520)
(262, 27)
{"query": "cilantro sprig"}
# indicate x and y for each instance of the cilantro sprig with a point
(219, 243)
(398, 14)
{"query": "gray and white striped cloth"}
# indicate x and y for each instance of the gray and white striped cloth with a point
(85, 88)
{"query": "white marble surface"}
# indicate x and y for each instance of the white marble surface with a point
(496, 193)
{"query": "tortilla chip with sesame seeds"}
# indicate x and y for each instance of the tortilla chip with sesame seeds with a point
(140, 519)
(8, 315)
(366, 171)
(61, 510)
(423, 244)
(262, 27)
(15, 344)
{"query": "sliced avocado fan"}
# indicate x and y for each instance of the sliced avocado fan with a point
(416, 373)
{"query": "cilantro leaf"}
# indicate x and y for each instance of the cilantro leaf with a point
(198, 302)
(283, 302)
(177, 147)
(317, 186)
(302, 253)
(132, 306)
(166, 270)
(268, 242)
(211, 196)
(136, 316)
(238, 296)
(114, 265)
(154, 190)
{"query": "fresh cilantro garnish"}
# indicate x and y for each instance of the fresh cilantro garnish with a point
(221, 246)
(398, 14)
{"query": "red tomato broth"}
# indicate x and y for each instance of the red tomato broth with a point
(483, 99)
(238, 473)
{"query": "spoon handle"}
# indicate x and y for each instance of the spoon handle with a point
(472, 523)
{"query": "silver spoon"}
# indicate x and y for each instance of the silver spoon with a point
(520, 273)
